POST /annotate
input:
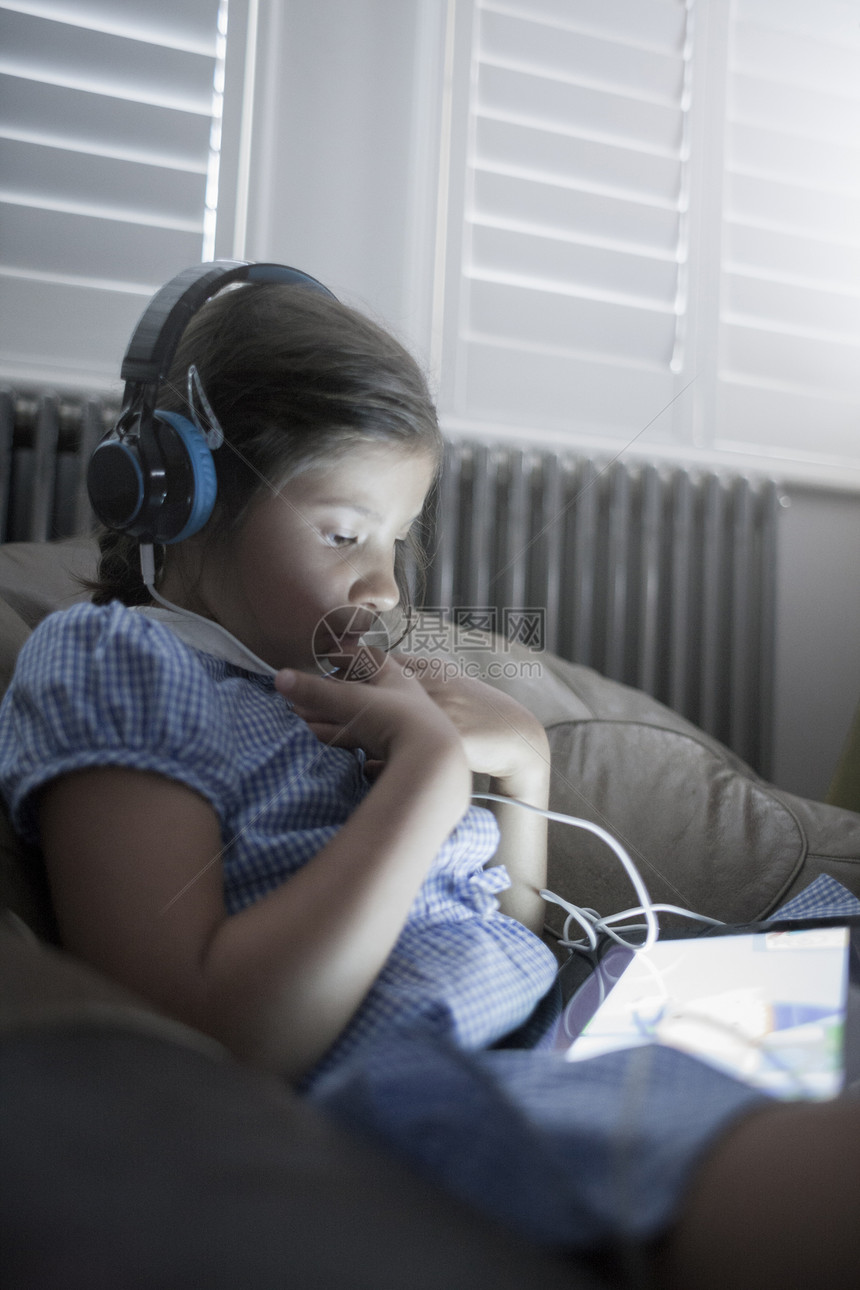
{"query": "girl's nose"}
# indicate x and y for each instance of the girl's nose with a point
(376, 589)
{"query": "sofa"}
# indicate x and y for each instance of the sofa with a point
(137, 1152)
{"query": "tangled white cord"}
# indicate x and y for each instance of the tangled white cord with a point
(588, 919)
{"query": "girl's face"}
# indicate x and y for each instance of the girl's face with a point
(325, 542)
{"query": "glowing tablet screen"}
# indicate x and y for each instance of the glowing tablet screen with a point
(767, 1007)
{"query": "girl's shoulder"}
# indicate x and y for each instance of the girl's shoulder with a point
(99, 685)
(111, 657)
(87, 626)
(113, 639)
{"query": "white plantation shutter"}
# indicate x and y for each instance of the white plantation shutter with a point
(566, 290)
(106, 153)
(789, 341)
(654, 223)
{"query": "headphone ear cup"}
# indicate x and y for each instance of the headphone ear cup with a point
(157, 486)
(204, 484)
(116, 483)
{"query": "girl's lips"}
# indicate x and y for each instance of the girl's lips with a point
(348, 634)
(348, 643)
(344, 633)
(345, 627)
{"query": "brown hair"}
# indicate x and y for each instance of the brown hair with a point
(295, 378)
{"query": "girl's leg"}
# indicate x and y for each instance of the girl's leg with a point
(776, 1204)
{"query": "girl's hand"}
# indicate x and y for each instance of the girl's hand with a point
(387, 711)
(505, 741)
(501, 738)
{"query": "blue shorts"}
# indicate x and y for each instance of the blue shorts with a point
(577, 1155)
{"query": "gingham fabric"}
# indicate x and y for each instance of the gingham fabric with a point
(99, 686)
(823, 898)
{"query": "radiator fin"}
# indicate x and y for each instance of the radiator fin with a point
(45, 443)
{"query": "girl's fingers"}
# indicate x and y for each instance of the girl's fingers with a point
(371, 715)
(296, 685)
(350, 715)
(334, 735)
(308, 693)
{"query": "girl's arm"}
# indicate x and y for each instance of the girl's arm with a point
(523, 846)
(134, 865)
(505, 741)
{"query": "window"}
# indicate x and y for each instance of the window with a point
(653, 234)
(109, 129)
(788, 377)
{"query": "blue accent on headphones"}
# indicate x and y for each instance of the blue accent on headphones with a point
(152, 476)
(205, 482)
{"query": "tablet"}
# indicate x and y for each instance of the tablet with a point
(776, 1005)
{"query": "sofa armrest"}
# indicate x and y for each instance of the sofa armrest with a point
(135, 1152)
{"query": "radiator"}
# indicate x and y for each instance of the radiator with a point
(661, 578)
(45, 442)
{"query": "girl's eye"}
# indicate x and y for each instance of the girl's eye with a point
(340, 539)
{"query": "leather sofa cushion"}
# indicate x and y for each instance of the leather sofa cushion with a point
(707, 832)
(703, 835)
(130, 1161)
(13, 632)
(38, 577)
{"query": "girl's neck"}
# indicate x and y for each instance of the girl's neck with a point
(160, 599)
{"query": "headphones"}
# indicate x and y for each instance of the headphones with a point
(152, 475)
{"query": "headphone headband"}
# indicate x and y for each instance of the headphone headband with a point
(156, 337)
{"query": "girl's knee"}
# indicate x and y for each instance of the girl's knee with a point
(775, 1203)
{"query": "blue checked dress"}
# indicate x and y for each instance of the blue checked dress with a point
(100, 686)
(570, 1154)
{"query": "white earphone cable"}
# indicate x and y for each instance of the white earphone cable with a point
(147, 572)
(588, 919)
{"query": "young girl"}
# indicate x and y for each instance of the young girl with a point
(291, 862)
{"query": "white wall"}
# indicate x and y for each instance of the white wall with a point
(818, 635)
(344, 160)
